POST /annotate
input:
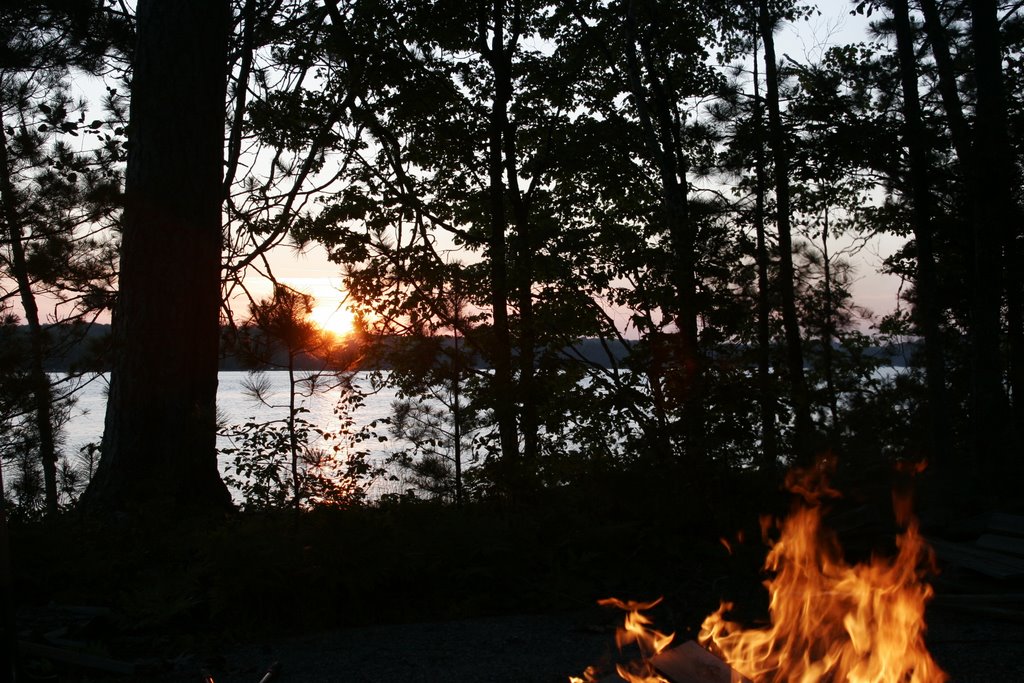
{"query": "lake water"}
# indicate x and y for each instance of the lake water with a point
(235, 405)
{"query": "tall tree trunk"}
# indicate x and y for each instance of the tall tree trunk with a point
(293, 441)
(787, 276)
(766, 386)
(828, 335)
(938, 38)
(662, 139)
(456, 398)
(928, 308)
(1015, 318)
(9, 661)
(41, 389)
(523, 274)
(497, 248)
(992, 197)
(159, 440)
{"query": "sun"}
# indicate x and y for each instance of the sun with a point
(333, 317)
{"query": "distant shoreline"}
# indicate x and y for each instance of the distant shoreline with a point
(88, 351)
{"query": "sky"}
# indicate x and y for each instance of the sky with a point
(805, 41)
(310, 271)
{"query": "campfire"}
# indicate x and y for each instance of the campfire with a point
(635, 631)
(829, 620)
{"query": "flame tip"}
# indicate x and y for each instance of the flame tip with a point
(830, 620)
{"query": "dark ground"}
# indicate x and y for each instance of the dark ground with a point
(540, 649)
(395, 593)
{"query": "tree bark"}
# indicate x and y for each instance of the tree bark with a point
(523, 276)
(992, 197)
(827, 336)
(928, 308)
(959, 131)
(1015, 318)
(497, 247)
(159, 440)
(293, 441)
(9, 660)
(456, 387)
(803, 445)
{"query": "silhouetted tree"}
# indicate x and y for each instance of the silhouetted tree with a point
(992, 177)
(780, 148)
(55, 200)
(926, 290)
(159, 440)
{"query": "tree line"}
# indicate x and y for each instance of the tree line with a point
(500, 179)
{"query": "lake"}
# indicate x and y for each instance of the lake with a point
(235, 405)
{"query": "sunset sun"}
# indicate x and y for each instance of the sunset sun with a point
(333, 317)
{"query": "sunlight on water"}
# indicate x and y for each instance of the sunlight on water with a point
(235, 406)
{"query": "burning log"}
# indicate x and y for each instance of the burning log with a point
(690, 663)
(686, 663)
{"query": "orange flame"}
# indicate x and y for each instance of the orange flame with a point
(636, 630)
(831, 621)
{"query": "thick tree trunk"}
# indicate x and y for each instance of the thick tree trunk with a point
(456, 391)
(803, 445)
(160, 432)
(41, 390)
(9, 660)
(992, 213)
(293, 441)
(1015, 319)
(523, 273)
(928, 308)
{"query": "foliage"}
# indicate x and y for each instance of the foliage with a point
(291, 460)
(59, 195)
(428, 463)
(335, 468)
(503, 183)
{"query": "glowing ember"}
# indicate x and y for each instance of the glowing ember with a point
(831, 621)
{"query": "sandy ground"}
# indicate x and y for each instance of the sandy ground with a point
(540, 649)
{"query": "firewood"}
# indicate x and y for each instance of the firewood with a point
(271, 674)
(690, 663)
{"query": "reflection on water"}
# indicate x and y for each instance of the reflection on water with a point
(235, 406)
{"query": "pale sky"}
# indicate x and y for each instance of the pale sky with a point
(310, 270)
(804, 41)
